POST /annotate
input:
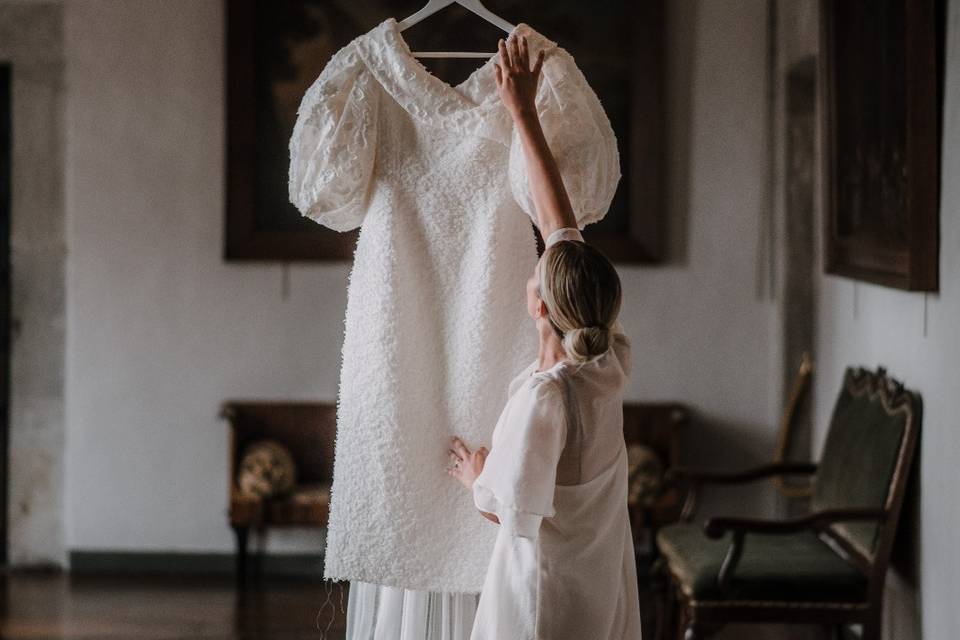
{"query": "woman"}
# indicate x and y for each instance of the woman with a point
(555, 479)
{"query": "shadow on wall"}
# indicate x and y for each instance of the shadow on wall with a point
(715, 444)
(680, 46)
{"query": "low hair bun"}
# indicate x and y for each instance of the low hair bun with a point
(584, 343)
(581, 291)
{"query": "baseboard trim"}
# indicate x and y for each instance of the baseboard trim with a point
(300, 565)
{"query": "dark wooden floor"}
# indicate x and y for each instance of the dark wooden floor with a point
(57, 605)
(72, 606)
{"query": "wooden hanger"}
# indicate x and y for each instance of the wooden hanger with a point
(474, 6)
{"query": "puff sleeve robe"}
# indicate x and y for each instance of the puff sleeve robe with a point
(436, 322)
(563, 565)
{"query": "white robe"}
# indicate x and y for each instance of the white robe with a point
(563, 566)
(435, 323)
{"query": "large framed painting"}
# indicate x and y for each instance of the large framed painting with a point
(882, 71)
(275, 50)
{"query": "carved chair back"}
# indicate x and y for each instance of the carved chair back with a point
(865, 463)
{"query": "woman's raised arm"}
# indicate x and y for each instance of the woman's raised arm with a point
(517, 86)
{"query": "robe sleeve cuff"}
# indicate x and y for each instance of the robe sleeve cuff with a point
(565, 233)
(514, 521)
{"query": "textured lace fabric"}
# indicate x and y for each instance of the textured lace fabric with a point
(436, 322)
(332, 146)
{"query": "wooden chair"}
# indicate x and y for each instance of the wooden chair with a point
(827, 567)
(788, 428)
(657, 426)
(785, 436)
(308, 431)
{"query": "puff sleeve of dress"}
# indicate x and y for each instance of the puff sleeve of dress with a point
(333, 143)
(519, 476)
(580, 137)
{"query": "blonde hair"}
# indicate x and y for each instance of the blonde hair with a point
(581, 290)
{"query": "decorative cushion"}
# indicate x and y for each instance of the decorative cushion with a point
(795, 567)
(266, 470)
(646, 475)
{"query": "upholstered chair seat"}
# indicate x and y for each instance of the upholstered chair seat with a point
(784, 568)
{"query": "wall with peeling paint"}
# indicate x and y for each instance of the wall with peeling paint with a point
(31, 42)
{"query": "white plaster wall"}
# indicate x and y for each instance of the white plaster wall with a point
(160, 329)
(702, 325)
(31, 42)
(917, 336)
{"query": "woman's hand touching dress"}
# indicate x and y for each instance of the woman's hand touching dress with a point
(467, 465)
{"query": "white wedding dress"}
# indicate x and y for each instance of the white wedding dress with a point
(435, 326)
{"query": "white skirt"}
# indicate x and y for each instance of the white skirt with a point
(377, 612)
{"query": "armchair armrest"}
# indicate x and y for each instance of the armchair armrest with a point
(716, 527)
(695, 477)
(736, 477)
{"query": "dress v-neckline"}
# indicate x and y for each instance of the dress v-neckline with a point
(406, 54)
(471, 107)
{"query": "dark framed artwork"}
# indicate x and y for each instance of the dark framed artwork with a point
(276, 50)
(882, 68)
